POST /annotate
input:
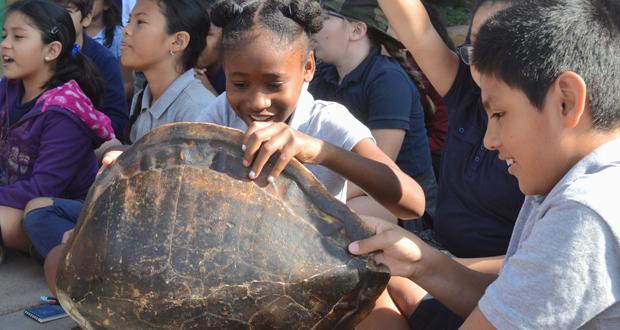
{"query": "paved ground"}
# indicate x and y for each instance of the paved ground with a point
(21, 285)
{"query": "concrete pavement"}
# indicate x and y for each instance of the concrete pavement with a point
(21, 285)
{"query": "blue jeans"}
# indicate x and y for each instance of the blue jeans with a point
(46, 225)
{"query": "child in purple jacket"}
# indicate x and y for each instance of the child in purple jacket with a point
(49, 126)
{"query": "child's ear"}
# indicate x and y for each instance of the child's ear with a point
(573, 97)
(52, 51)
(86, 20)
(180, 42)
(309, 67)
(358, 30)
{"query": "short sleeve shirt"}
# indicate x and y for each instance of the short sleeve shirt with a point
(183, 101)
(327, 121)
(562, 268)
(380, 94)
(478, 200)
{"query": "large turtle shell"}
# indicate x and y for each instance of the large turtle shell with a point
(174, 236)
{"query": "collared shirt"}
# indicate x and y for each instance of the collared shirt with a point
(478, 200)
(327, 121)
(563, 263)
(380, 94)
(183, 100)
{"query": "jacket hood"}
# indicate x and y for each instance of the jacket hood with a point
(71, 97)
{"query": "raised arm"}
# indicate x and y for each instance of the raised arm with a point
(413, 27)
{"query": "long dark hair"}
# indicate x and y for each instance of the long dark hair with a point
(111, 19)
(55, 24)
(191, 16)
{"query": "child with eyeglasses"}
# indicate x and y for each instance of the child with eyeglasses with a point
(478, 200)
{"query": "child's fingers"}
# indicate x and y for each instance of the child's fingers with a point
(376, 225)
(108, 159)
(67, 236)
(275, 144)
(287, 153)
(374, 243)
(255, 137)
(253, 129)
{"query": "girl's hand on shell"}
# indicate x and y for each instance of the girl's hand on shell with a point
(263, 139)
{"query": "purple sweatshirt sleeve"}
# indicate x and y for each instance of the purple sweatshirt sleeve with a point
(65, 149)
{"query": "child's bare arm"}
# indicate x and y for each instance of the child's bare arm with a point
(368, 167)
(413, 27)
(390, 142)
(406, 255)
(487, 265)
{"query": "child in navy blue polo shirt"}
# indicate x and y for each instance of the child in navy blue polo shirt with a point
(114, 104)
(377, 90)
(478, 200)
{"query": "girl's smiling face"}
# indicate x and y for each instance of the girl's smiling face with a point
(265, 75)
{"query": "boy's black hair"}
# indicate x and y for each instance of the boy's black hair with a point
(529, 45)
(191, 16)
(55, 24)
(84, 6)
(477, 5)
(111, 19)
(288, 19)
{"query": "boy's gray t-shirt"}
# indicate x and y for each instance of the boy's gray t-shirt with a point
(562, 268)
(328, 121)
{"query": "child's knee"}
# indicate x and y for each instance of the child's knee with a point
(37, 203)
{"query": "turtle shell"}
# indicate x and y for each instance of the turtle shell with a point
(174, 236)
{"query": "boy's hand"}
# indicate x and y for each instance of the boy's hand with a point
(108, 159)
(395, 247)
(264, 139)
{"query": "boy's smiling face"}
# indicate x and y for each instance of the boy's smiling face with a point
(536, 144)
(265, 76)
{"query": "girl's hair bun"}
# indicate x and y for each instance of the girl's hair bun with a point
(225, 11)
(306, 13)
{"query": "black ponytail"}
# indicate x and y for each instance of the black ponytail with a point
(191, 16)
(111, 19)
(55, 24)
(289, 19)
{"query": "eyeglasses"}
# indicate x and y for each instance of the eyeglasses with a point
(325, 14)
(466, 53)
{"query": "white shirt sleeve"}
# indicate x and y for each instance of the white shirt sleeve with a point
(339, 127)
